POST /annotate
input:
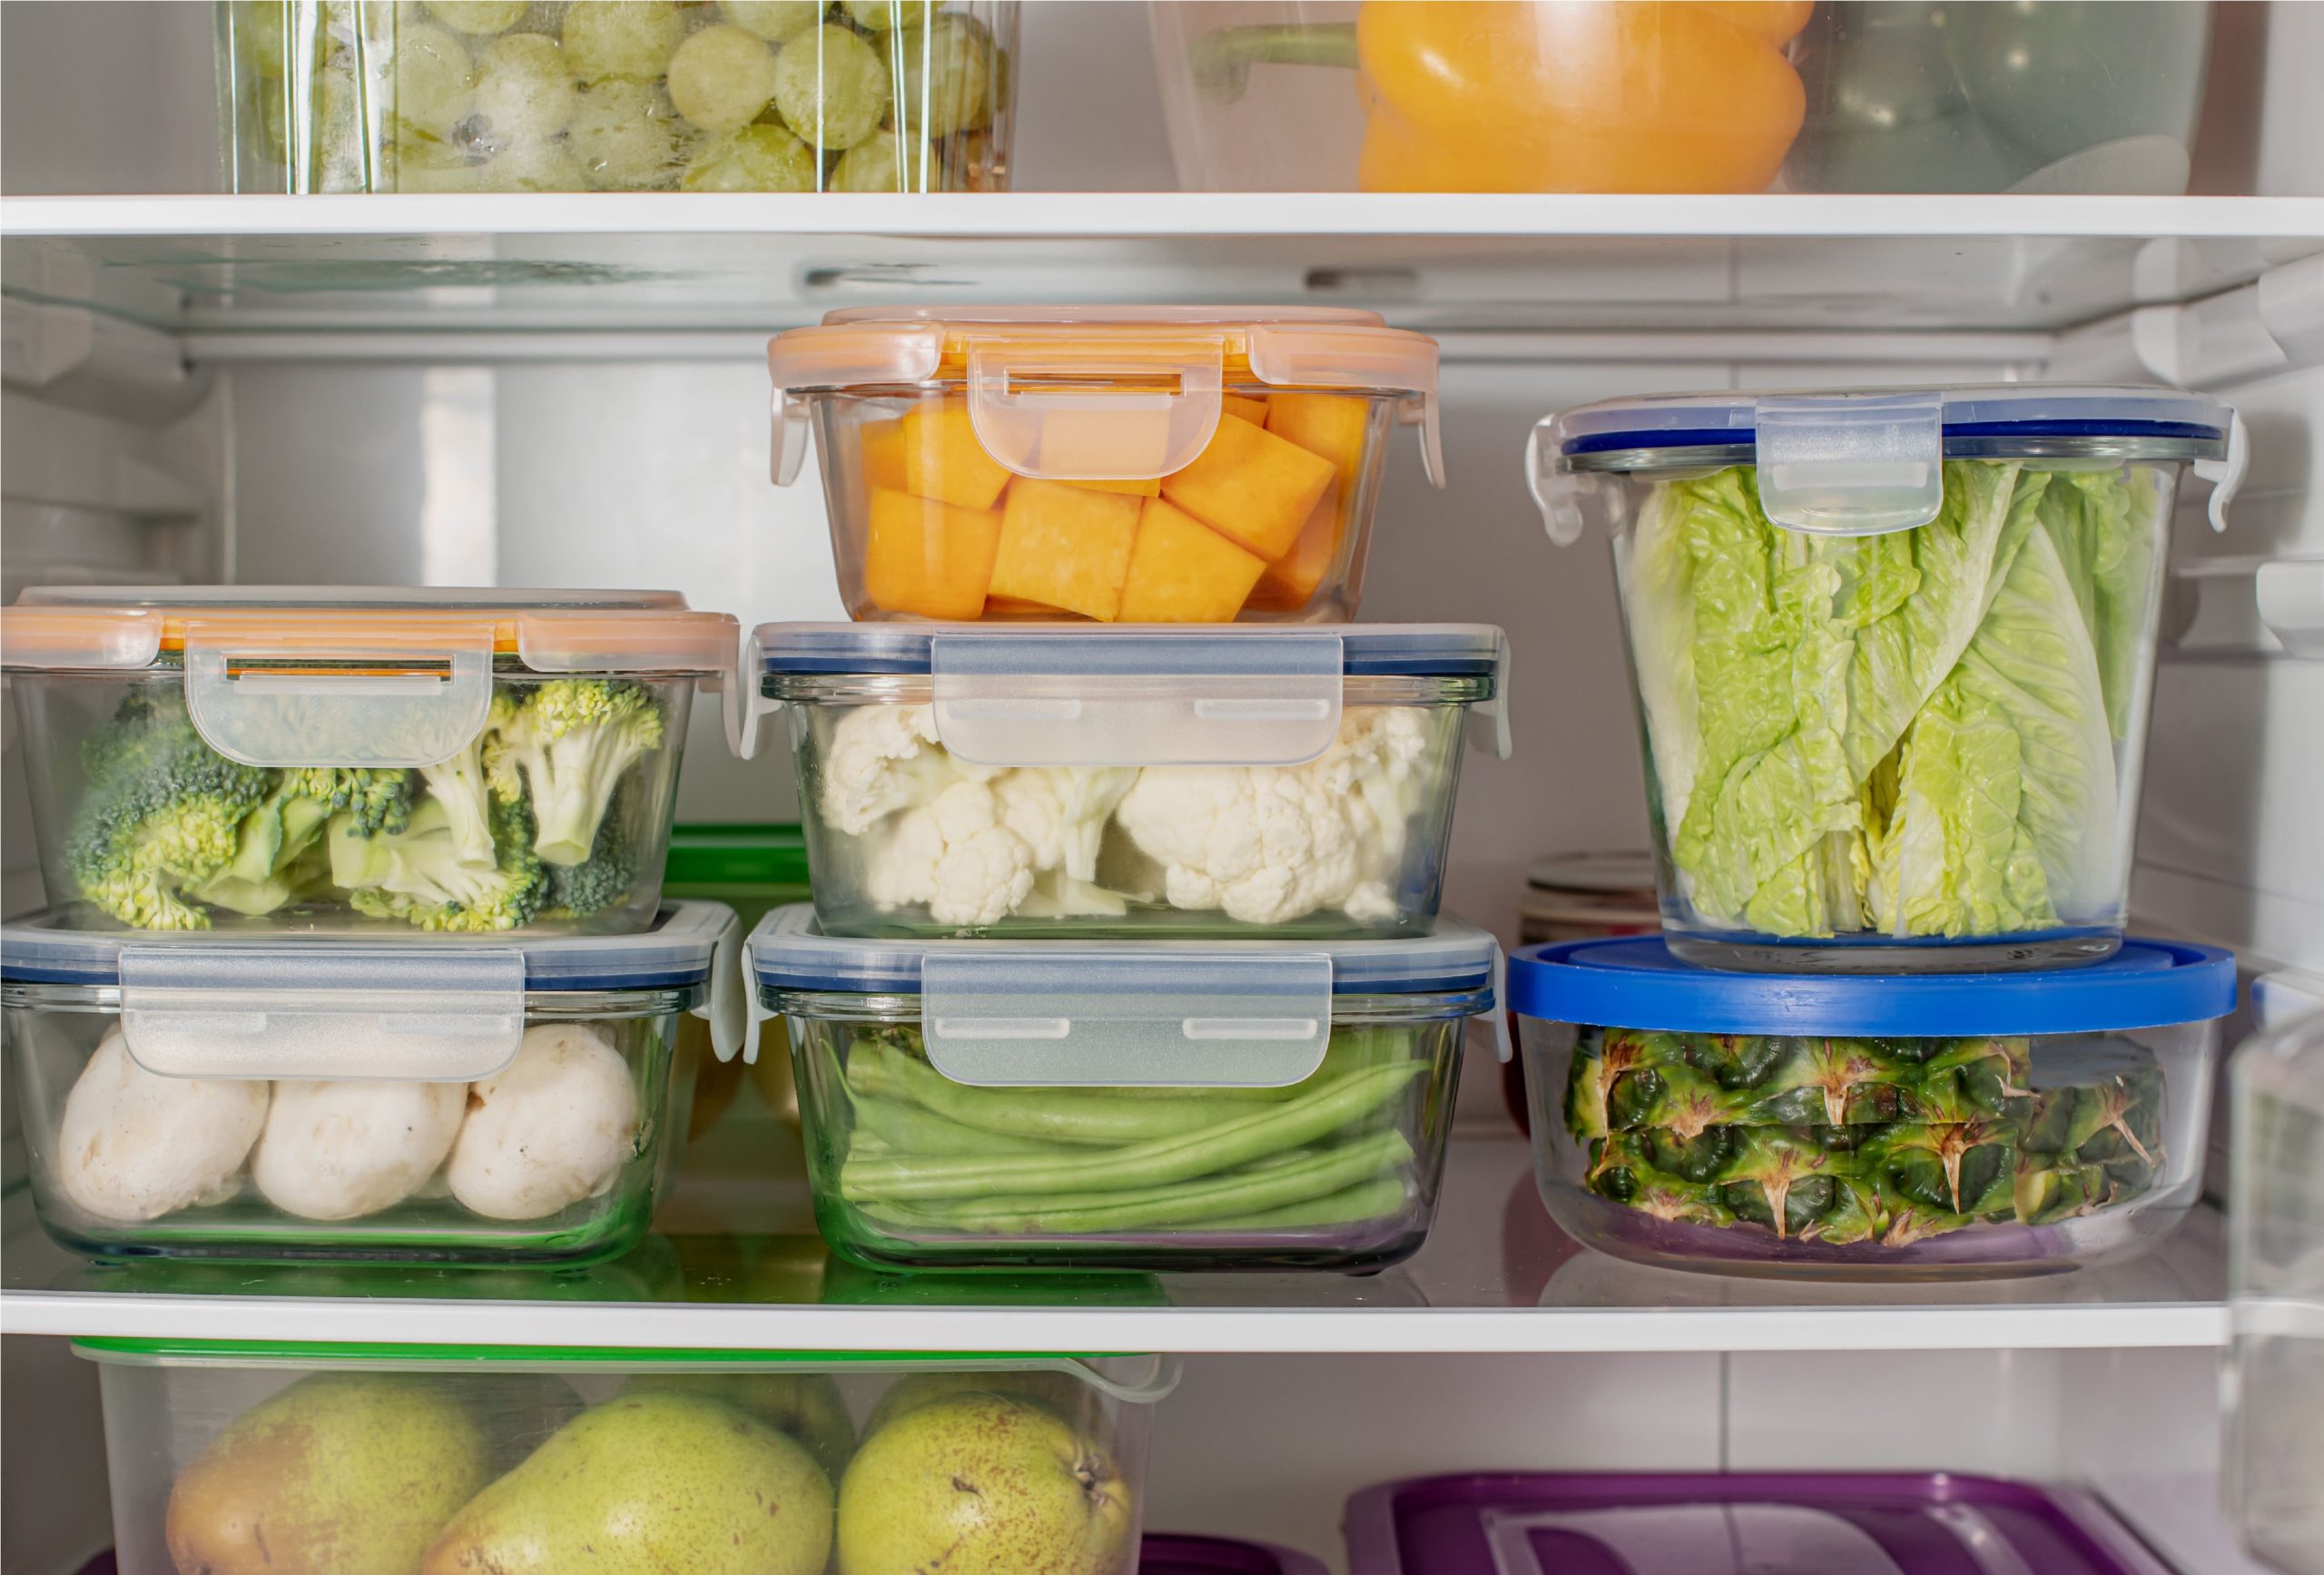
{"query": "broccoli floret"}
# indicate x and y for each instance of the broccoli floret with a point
(418, 875)
(161, 813)
(604, 879)
(571, 741)
(460, 786)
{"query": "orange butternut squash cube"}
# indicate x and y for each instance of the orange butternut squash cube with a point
(1066, 547)
(1183, 572)
(883, 445)
(1252, 486)
(943, 460)
(1244, 404)
(1331, 424)
(1292, 578)
(928, 558)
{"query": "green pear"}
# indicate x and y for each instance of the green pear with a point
(644, 1483)
(807, 1406)
(351, 1472)
(984, 1484)
(1059, 1392)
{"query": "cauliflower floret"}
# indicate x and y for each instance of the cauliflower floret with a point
(885, 758)
(1268, 844)
(1061, 812)
(954, 855)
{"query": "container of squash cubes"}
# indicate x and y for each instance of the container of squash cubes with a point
(1907, 1124)
(393, 762)
(1108, 464)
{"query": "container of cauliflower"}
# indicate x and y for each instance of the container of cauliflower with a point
(1174, 1104)
(393, 762)
(462, 1101)
(1237, 782)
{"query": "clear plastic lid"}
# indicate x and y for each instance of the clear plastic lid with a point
(1636, 983)
(433, 1008)
(1155, 1013)
(1864, 461)
(1139, 386)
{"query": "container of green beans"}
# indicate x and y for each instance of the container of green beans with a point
(616, 95)
(1096, 1105)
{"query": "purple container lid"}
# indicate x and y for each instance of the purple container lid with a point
(1802, 1523)
(1170, 1553)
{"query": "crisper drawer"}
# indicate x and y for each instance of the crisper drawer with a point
(451, 1460)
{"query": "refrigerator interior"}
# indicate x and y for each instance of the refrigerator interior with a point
(572, 390)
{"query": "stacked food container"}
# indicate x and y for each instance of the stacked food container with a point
(357, 948)
(1127, 853)
(1893, 653)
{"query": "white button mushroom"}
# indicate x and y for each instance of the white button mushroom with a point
(340, 1150)
(135, 1145)
(550, 1130)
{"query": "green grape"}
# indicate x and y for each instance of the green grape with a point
(773, 20)
(722, 77)
(873, 165)
(622, 38)
(548, 166)
(879, 15)
(523, 92)
(950, 78)
(831, 87)
(626, 137)
(434, 81)
(753, 158)
(478, 16)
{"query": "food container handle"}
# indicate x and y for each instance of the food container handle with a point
(2226, 473)
(298, 700)
(1496, 1011)
(788, 444)
(1850, 464)
(732, 1026)
(746, 708)
(1067, 413)
(1488, 731)
(325, 1010)
(1555, 490)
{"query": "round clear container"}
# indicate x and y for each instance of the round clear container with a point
(327, 760)
(1850, 1128)
(1135, 465)
(441, 1459)
(442, 1102)
(1172, 1106)
(1237, 782)
(1893, 653)
(617, 95)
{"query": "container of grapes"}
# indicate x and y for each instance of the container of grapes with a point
(616, 95)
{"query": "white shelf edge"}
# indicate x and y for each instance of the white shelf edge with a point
(1174, 214)
(1183, 1330)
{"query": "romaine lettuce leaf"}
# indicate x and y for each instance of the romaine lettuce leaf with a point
(2103, 522)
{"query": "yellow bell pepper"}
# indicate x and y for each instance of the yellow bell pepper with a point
(1554, 95)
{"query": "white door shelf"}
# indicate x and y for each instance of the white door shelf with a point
(599, 260)
(1496, 1276)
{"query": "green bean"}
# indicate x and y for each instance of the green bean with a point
(1059, 1115)
(909, 1129)
(1378, 1198)
(1336, 1103)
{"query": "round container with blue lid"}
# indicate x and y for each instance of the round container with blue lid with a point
(1913, 1125)
(996, 781)
(437, 1100)
(1893, 653)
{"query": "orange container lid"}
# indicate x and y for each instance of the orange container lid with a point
(118, 629)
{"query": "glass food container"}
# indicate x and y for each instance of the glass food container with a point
(1259, 1105)
(1915, 1125)
(1893, 653)
(1156, 464)
(1233, 782)
(1735, 1523)
(639, 95)
(2274, 1468)
(450, 1100)
(394, 761)
(1710, 96)
(445, 1460)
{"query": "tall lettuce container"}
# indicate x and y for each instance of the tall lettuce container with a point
(1893, 653)
(447, 1460)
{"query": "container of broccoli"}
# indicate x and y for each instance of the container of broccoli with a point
(1893, 653)
(396, 763)
(1913, 1125)
(1076, 1103)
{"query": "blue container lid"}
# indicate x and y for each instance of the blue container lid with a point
(1636, 983)
(1367, 650)
(1989, 422)
(675, 952)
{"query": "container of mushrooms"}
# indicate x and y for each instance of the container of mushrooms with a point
(457, 1099)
